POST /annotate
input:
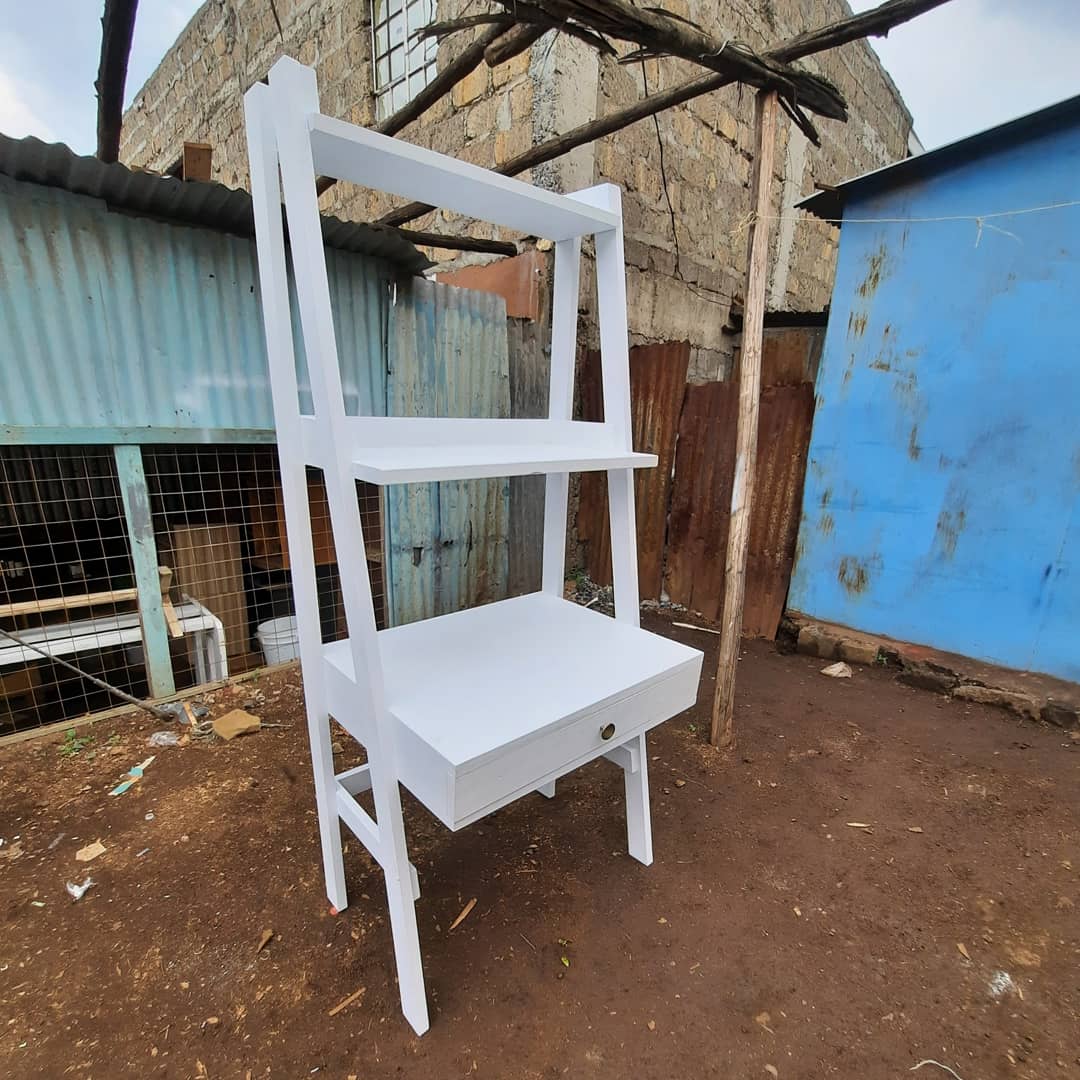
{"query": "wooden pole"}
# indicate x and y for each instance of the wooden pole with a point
(746, 431)
(117, 28)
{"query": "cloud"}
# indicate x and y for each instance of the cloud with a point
(18, 117)
(972, 64)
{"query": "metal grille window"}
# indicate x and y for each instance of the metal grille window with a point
(404, 64)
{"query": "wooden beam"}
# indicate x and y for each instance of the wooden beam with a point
(875, 22)
(508, 45)
(459, 243)
(144, 562)
(746, 431)
(117, 28)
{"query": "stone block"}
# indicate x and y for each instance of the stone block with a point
(474, 85)
(858, 651)
(1026, 705)
(924, 675)
(815, 640)
(1061, 714)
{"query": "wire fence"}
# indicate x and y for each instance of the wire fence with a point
(68, 588)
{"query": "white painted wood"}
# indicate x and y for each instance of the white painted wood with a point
(638, 820)
(566, 292)
(274, 286)
(416, 464)
(553, 674)
(478, 708)
(105, 631)
(401, 168)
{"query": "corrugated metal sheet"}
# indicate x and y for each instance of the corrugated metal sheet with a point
(113, 321)
(701, 497)
(787, 413)
(657, 385)
(186, 202)
(701, 500)
(529, 344)
(447, 542)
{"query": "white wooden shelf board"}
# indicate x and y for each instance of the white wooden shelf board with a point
(416, 464)
(487, 699)
(395, 166)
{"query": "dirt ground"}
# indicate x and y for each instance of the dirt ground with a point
(773, 935)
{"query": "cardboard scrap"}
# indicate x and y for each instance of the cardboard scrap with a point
(91, 851)
(236, 722)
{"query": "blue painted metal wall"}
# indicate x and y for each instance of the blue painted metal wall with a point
(942, 500)
(111, 323)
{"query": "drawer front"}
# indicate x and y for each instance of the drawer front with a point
(495, 782)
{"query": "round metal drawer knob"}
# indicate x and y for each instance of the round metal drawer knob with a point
(607, 731)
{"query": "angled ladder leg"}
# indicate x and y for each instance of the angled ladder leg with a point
(273, 281)
(294, 95)
(631, 757)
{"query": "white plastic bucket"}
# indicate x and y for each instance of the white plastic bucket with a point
(279, 639)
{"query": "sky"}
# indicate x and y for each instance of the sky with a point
(964, 67)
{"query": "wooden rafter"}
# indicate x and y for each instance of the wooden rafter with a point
(874, 23)
(117, 28)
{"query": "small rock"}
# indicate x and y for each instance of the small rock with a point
(337, 748)
(680, 783)
(652, 1025)
(773, 1071)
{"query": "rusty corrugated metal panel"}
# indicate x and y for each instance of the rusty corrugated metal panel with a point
(187, 202)
(701, 497)
(657, 384)
(701, 501)
(447, 542)
(787, 413)
(790, 354)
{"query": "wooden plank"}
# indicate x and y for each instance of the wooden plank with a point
(144, 561)
(208, 569)
(195, 164)
(722, 732)
(657, 387)
(68, 603)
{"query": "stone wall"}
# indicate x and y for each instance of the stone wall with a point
(685, 176)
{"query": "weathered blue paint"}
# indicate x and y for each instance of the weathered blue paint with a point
(448, 357)
(111, 322)
(943, 486)
(144, 561)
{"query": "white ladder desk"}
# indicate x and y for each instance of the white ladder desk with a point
(474, 709)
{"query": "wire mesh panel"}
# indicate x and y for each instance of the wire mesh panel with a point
(68, 588)
(66, 585)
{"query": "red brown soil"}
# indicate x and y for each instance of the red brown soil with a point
(768, 932)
